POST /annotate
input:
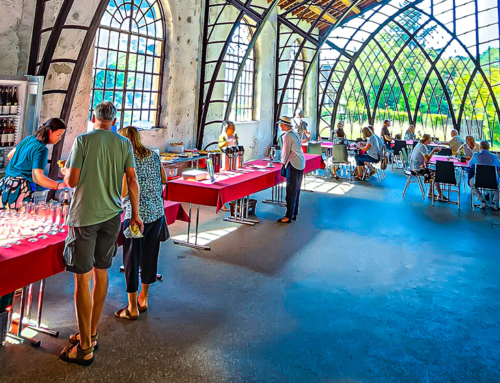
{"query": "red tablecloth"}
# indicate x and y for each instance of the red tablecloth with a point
(226, 189)
(30, 262)
(455, 161)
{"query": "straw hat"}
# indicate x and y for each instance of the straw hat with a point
(285, 120)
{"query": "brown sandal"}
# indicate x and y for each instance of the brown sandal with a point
(80, 355)
(118, 314)
(74, 341)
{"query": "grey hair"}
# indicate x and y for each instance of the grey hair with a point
(485, 145)
(105, 110)
(467, 137)
(454, 131)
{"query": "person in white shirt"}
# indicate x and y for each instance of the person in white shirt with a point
(455, 142)
(300, 126)
(419, 157)
(371, 149)
(292, 159)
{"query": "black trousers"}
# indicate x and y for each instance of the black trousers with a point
(142, 252)
(293, 183)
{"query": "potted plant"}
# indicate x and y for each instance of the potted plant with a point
(461, 155)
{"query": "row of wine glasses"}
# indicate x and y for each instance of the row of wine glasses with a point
(33, 221)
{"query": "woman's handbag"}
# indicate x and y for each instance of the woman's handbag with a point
(283, 171)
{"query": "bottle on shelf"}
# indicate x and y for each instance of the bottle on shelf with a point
(1, 133)
(14, 102)
(5, 133)
(1, 99)
(12, 134)
(7, 101)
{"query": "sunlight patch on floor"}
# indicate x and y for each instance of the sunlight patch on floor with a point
(206, 237)
(325, 186)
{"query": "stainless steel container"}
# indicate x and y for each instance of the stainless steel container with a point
(240, 157)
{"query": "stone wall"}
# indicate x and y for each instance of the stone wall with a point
(181, 72)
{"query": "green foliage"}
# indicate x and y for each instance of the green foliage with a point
(427, 90)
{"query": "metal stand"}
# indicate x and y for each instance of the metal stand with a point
(241, 213)
(20, 323)
(277, 196)
(25, 314)
(188, 243)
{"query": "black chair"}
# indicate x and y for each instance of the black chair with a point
(398, 146)
(211, 144)
(445, 176)
(445, 152)
(486, 179)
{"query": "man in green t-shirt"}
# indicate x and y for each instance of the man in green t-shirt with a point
(95, 168)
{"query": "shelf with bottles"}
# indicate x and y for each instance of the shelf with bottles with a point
(9, 101)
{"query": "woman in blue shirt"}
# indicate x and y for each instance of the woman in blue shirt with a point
(25, 173)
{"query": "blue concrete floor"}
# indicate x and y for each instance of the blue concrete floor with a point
(364, 287)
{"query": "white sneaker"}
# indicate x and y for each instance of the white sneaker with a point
(483, 205)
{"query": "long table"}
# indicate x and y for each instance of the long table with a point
(230, 186)
(30, 262)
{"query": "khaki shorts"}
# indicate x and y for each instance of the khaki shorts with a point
(91, 246)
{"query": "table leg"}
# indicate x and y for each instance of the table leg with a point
(37, 324)
(276, 197)
(187, 243)
(240, 211)
(18, 337)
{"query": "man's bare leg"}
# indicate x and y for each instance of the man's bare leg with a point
(99, 293)
(83, 308)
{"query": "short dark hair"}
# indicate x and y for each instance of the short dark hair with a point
(53, 124)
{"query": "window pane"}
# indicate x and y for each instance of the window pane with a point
(122, 58)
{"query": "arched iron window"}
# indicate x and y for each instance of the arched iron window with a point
(242, 109)
(128, 61)
(431, 64)
(296, 80)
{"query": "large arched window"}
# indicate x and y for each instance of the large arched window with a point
(128, 61)
(242, 108)
(296, 80)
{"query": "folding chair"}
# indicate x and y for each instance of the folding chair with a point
(398, 146)
(445, 176)
(445, 152)
(411, 175)
(341, 157)
(486, 179)
(314, 148)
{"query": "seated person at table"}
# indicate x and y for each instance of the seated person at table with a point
(455, 142)
(372, 149)
(386, 135)
(419, 157)
(228, 137)
(397, 136)
(470, 147)
(410, 133)
(334, 133)
(300, 126)
(484, 157)
(340, 140)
